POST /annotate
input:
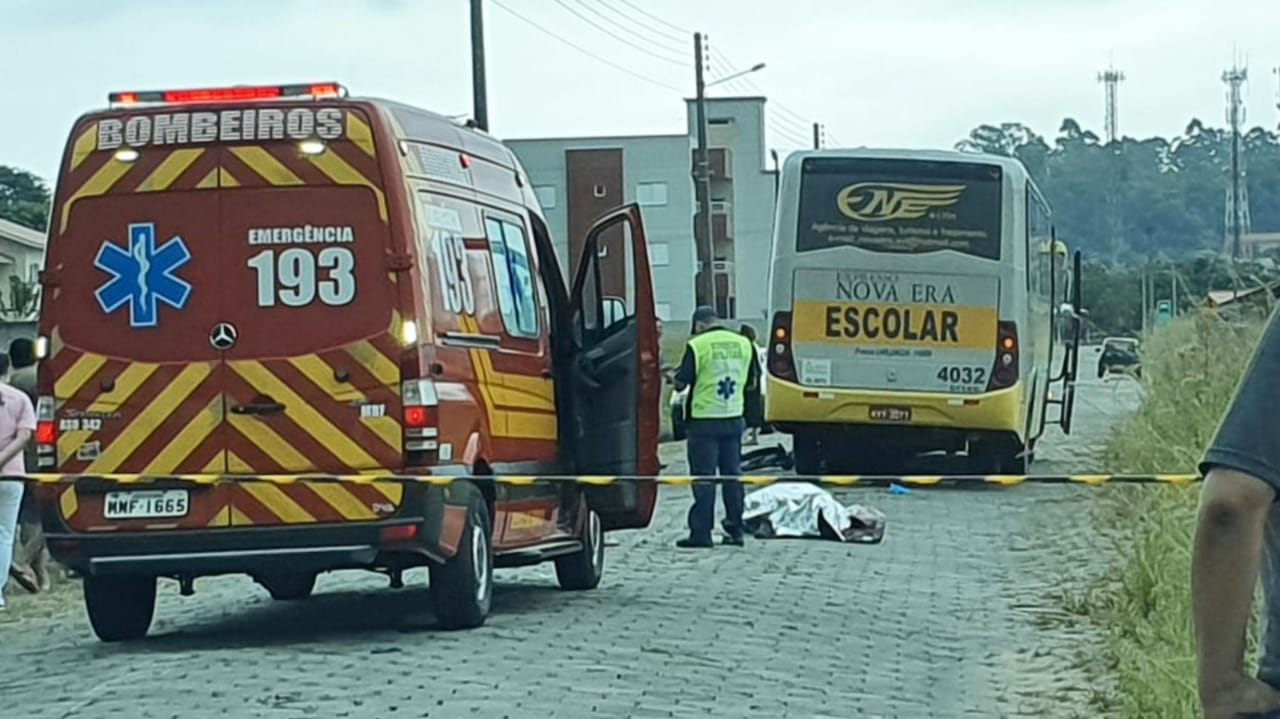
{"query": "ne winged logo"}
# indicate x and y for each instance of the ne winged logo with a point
(884, 201)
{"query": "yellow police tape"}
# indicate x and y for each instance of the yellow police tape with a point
(604, 480)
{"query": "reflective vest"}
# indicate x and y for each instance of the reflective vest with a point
(722, 361)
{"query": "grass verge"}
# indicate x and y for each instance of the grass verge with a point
(1143, 603)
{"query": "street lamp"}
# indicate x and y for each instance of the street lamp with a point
(704, 289)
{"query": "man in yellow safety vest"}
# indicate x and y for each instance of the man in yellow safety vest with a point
(719, 366)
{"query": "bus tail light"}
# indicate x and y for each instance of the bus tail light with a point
(781, 364)
(421, 421)
(46, 438)
(1005, 371)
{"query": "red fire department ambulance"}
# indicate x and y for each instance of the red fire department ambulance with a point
(257, 283)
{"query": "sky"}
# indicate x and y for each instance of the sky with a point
(882, 73)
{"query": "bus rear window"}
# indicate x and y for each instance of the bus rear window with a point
(904, 206)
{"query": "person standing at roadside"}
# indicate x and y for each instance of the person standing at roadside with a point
(30, 560)
(17, 423)
(1237, 539)
(719, 367)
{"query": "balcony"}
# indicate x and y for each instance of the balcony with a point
(721, 222)
(719, 158)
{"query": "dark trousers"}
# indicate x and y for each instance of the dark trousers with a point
(707, 453)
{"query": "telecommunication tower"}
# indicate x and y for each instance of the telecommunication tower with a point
(1237, 206)
(1111, 80)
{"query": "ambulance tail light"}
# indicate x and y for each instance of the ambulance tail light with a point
(239, 93)
(421, 421)
(781, 363)
(1005, 372)
(46, 438)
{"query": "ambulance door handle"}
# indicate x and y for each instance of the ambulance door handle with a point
(262, 408)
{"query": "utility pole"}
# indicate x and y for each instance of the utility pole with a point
(1237, 197)
(817, 136)
(479, 92)
(1111, 80)
(705, 287)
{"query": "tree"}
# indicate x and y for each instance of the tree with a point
(24, 198)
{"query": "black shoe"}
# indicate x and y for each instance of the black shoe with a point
(733, 540)
(691, 543)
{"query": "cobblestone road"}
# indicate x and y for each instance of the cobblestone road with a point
(945, 619)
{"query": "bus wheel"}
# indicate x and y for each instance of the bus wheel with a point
(120, 608)
(583, 569)
(462, 587)
(807, 451)
(998, 457)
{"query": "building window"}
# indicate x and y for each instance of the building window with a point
(659, 254)
(513, 276)
(546, 196)
(651, 194)
(662, 310)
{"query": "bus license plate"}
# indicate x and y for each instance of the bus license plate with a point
(146, 504)
(891, 414)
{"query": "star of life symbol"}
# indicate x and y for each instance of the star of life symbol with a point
(725, 388)
(143, 276)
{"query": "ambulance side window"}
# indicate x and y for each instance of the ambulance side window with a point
(512, 276)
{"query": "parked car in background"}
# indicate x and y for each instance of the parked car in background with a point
(679, 402)
(1119, 354)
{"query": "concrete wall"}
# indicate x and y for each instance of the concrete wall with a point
(668, 227)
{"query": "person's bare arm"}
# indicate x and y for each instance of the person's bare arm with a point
(15, 446)
(1234, 507)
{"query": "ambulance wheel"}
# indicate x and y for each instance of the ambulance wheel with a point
(583, 569)
(284, 586)
(807, 451)
(462, 587)
(120, 608)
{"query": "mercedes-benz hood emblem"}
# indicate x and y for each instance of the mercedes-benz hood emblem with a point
(223, 337)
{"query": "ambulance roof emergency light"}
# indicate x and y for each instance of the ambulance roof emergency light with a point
(238, 93)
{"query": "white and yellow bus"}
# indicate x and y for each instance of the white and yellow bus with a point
(914, 298)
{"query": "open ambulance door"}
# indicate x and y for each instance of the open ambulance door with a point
(1074, 317)
(614, 376)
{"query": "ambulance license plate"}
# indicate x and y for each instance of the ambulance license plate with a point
(146, 504)
(891, 414)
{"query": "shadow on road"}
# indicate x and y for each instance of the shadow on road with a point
(368, 614)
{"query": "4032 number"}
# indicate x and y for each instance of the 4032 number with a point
(293, 278)
(963, 375)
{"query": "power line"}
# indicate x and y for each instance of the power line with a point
(651, 16)
(619, 38)
(665, 34)
(585, 51)
(751, 83)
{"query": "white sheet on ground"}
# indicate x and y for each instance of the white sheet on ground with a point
(797, 510)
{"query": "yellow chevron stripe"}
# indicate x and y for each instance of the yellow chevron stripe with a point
(393, 491)
(216, 465)
(359, 132)
(126, 384)
(378, 365)
(170, 170)
(149, 419)
(69, 503)
(302, 413)
(267, 440)
(209, 182)
(338, 170)
(279, 503)
(267, 167)
(100, 183)
(344, 502)
(85, 145)
(321, 375)
(239, 518)
(80, 371)
(222, 518)
(226, 179)
(192, 435)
